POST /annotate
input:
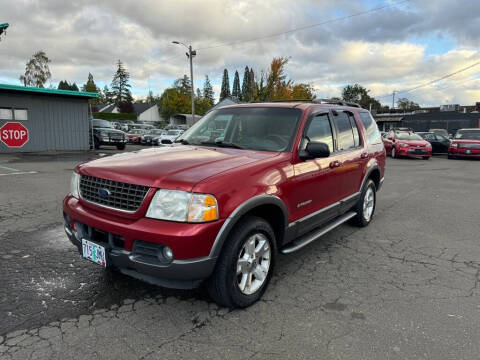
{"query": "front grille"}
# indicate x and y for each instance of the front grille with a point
(117, 195)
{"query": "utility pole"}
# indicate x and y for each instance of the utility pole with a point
(191, 53)
(393, 99)
(192, 94)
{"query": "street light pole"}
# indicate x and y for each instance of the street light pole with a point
(192, 94)
(191, 53)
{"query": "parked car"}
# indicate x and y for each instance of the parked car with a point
(105, 134)
(406, 143)
(150, 135)
(135, 135)
(466, 143)
(442, 132)
(440, 143)
(169, 137)
(219, 211)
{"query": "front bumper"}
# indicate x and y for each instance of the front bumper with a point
(463, 152)
(124, 239)
(414, 151)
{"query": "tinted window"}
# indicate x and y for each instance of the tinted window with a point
(344, 131)
(373, 135)
(356, 136)
(320, 130)
(407, 136)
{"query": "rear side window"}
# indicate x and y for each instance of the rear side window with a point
(321, 131)
(345, 136)
(356, 136)
(373, 135)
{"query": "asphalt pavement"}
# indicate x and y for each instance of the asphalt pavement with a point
(406, 287)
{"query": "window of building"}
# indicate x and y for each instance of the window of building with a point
(20, 114)
(5, 114)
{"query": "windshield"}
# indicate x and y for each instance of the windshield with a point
(137, 131)
(468, 134)
(101, 124)
(155, 132)
(173, 132)
(253, 128)
(407, 136)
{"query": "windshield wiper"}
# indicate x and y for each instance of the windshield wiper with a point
(222, 144)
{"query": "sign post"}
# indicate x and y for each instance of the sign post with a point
(14, 134)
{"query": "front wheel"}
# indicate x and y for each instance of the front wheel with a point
(426, 157)
(365, 207)
(121, 147)
(245, 265)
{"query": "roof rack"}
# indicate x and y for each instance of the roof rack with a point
(286, 100)
(336, 102)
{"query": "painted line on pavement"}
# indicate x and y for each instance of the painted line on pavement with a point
(7, 168)
(20, 173)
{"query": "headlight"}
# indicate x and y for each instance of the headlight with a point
(454, 145)
(103, 133)
(403, 145)
(175, 205)
(74, 184)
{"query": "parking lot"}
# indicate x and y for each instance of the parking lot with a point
(406, 287)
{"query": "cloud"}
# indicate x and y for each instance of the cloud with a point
(384, 51)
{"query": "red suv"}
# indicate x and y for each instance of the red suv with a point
(466, 143)
(241, 185)
(406, 143)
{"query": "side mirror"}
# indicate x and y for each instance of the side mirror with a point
(315, 150)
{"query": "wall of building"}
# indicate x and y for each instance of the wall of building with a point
(150, 115)
(54, 122)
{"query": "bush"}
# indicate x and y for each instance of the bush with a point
(114, 116)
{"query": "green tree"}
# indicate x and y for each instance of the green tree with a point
(208, 91)
(252, 87)
(245, 95)
(65, 85)
(225, 90)
(121, 89)
(173, 101)
(37, 71)
(236, 94)
(107, 94)
(358, 94)
(183, 84)
(407, 105)
(199, 93)
(90, 85)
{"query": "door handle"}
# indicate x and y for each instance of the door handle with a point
(363, 155)
(335, 164)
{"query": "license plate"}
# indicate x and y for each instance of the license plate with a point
(468, 152)
(94, 252)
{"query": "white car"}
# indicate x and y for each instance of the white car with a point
(169, 137)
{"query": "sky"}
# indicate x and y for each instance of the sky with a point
(384, 45)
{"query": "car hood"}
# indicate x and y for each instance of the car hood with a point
(465, 141)
(414, 142)
(110, 131)
(173, 167)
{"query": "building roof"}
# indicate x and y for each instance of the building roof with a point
(442, 115)
(107, 108)
(6, 87)
(224, 102)
(139, 108)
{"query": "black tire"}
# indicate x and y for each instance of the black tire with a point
(222, 285)
(121, 147)
(96, 144)
(394, 153)
(359, 219)
(451, 157)
(426, 157)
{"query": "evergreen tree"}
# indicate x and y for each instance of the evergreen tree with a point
(245, 95)
(107, 95)
(90, 85)
(199, 93)
(236, 94)
(225, 91)
(251, 89)
(65, 85)
(74, 87)
(183, 84)
(121, 87)
(208, 91)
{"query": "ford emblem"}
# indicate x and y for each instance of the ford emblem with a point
(104, 193)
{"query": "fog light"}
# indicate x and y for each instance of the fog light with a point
(167, 253)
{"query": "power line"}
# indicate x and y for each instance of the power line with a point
(305, 27)
(432, 81)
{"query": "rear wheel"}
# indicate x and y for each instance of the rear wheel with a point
(245, 265)
(365, 207)
(121, 147)
(451, 156)
(426, 157)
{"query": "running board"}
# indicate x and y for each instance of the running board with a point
(308, 238)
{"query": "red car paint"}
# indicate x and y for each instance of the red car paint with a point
(406, 148)
(460, 147)
(234, 177)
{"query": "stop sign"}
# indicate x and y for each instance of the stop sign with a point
(14, 134)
